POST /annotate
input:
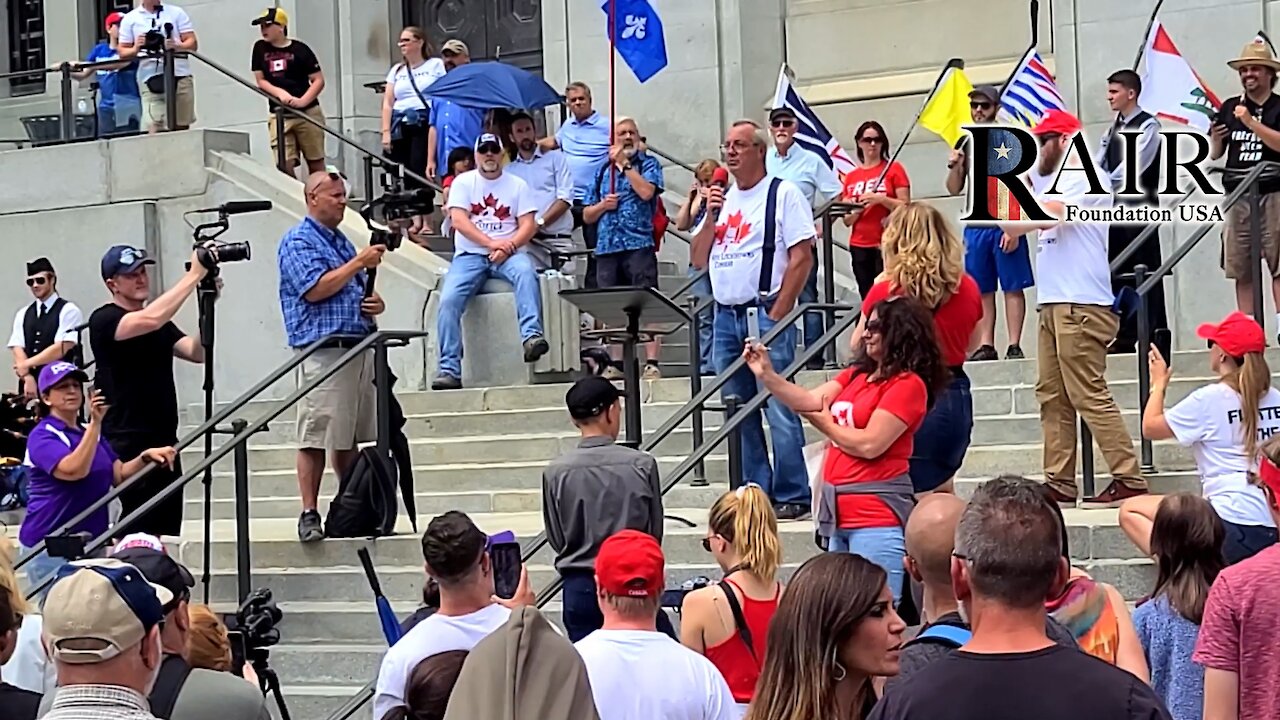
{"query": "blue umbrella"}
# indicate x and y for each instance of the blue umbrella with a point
(386, 616)
(488, 85)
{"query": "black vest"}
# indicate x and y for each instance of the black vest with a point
(1148, 177)
(39, 332)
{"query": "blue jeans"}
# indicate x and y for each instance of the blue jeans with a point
(884, 546)
(38, 569)
(702, 291)
(581, 610)
(813, 320)
(467, 274)
(787, 481)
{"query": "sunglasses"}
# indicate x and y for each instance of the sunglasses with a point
(875, 326)
(37, 281)
(980, 105)
(489, 149)
(870, 139)
(132, 255)
(1046, 139)
(782, 123)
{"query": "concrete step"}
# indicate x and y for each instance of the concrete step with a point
(315, 701)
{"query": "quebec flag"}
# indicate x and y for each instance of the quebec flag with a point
(638, 36)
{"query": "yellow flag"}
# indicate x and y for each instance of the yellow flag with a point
(948, 109)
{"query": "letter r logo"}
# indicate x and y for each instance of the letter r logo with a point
(996, 192)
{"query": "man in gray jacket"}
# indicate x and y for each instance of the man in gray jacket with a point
(592, 492)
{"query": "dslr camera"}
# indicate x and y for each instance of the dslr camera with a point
(213, 253)
(257, 618)
(153, 42)
(388, 214)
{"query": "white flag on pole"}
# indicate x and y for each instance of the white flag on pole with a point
(1171, 89)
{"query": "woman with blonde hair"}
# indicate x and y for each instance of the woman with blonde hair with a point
(924, 259)
(28, 668)
(729, 622)
(1222, 423)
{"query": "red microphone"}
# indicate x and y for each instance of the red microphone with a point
(720, 179)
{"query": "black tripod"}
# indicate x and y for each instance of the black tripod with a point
(207, 297)
(268, 681)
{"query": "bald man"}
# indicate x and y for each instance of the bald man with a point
(931, 538)
(323, 299)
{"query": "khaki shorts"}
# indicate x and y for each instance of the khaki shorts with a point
(300, 135)
(153, 105)
(340, 412)
(1236, 233)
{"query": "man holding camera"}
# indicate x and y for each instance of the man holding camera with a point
(181, 692)
(146, 31)
(134, 343)
(324, 295)
(45, 330)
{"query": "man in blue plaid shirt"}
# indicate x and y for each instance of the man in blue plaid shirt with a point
(322, 297)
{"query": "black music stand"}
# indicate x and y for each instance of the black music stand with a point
(625, 310)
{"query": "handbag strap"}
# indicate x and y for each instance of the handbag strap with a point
(426, 104)
(739, 619)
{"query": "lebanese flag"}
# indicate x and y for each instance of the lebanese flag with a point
(1171, 89)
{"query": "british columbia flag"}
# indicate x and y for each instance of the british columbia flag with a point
(1031, 92)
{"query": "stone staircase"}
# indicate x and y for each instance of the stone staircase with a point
(482, 450)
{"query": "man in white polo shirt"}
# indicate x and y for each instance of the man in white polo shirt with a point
(758, 244)
(1076, 321)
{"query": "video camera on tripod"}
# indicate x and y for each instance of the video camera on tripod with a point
(254, 630)
(389, 214)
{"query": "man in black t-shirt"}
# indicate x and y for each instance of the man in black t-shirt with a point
(1247, 130)
(1007, 562)
(134, 343)
(288, 71)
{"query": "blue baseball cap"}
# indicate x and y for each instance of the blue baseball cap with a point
(122, 259)
(98, 609)
(56, 372)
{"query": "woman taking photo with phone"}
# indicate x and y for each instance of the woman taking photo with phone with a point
(870, 414)
(1223, 424)
(71, 466)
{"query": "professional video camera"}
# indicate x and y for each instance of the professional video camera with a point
(390, 213)
(257, 618)
(153, 42)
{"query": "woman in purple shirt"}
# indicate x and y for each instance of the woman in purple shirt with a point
(70, 466)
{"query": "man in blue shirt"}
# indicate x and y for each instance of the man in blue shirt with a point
(322, 295)
(119, 101)
(818, 182)
(451, 125)
(585, 139)
(621, 201)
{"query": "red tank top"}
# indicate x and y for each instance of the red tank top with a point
(739, 666)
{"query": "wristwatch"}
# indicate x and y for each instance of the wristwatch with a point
(626, 168)
(540, 221)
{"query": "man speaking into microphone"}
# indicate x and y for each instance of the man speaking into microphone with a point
(323, 296)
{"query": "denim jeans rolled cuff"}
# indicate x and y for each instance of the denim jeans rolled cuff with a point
(786, 479)
(467, 274)
(38, 569)
(884, 546)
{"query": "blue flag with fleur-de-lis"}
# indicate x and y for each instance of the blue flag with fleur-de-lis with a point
(637, 36)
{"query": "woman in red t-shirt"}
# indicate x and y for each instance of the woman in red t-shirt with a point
(869, 414)
(880, 191)
(924, 259)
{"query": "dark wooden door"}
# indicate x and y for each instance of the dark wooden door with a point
(506, 30)
(26, 45)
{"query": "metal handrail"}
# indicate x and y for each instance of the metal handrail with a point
(72, 64)
(183, 443)
(370, 341)
(699, 455)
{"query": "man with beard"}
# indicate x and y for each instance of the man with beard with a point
(991, 256)
(1247, 130)
(550, 182)
(622, 201)
(493, 216)
(1076, 320)
(451, 125)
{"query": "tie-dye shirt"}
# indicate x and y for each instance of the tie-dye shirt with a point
(1085, 608)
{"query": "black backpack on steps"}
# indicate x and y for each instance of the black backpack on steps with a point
(366, 504)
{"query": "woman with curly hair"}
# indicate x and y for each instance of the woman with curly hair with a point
(924, 259)
(835, 632)
(870, 414)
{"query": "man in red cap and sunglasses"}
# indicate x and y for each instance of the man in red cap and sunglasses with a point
(1076, 321)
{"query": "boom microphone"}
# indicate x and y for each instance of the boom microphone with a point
(239, 207)
(719, 178)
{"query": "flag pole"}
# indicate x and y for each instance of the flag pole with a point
(1035, 23)
(1142, 46)
(613, 35)
(955, 63)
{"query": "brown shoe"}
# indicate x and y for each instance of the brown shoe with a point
(1063, 499)
(1116, 493)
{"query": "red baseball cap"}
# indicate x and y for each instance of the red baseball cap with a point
(1057, 122)
(630, 564)
(113, 19)
(1269, 474)
(1237, 334)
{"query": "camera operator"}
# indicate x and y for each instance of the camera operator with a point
(181, 692)
(45, 330)
(145, 32)
(322, 295)
(134, 343)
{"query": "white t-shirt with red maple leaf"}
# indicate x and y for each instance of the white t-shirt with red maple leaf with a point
(495, 206)
(736, 252)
